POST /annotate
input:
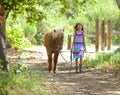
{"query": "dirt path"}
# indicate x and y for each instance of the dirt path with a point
(67, 82)
(89, 82)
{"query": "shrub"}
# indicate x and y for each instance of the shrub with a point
(17, 38)
(106, 61)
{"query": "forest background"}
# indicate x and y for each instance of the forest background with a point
(24, 32)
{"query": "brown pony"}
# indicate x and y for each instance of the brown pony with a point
(53, 43)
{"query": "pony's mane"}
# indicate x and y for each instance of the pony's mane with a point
(57, 33)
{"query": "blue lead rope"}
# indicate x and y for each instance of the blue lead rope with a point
(71, 59)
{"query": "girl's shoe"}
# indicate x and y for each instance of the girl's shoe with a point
(80, 68)
(76, 69)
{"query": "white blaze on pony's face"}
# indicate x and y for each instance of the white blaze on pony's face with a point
(58, 35)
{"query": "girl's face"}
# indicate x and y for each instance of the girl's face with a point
(79, 26)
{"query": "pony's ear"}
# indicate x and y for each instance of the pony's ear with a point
(54, 30)
(63, 29)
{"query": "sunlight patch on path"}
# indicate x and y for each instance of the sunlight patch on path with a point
(113, 92)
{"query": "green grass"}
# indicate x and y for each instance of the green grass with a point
(105, 61)
(26, 82)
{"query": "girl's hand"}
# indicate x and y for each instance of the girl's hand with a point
(85, 50)
(72, 49)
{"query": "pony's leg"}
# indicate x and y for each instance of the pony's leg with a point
(55, 61)
(50, 62)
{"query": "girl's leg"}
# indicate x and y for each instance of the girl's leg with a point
(80, 65)
(76, 63)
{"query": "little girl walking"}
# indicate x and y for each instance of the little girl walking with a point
(78, 46)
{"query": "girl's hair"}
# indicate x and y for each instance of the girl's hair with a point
(75, 28)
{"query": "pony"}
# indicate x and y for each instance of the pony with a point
(53, 43)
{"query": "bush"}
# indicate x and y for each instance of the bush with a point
(29, 31)
(17, 38)
(106, 61)
(116, 39)
(24, 82)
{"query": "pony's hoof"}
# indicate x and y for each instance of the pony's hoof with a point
(49, 71)
(55, 71)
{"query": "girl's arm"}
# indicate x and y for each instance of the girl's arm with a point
(84, 42)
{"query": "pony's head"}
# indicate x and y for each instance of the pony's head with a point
(58, 35)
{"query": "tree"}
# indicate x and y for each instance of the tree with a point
(3, 58)
(118, 3)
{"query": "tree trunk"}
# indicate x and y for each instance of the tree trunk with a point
(118, 3)
(3, 26)
(3, 58)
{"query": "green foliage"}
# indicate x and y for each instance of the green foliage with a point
(116, 21)
(53, 20)
(25, 82)
(29, 31)
(20, 68)
(117, 50)
(88, 14)
(61, 14)
(35, 8)
(34, 13)
(17, 38)
(105, 61)
(99, 9)
(115, 59)
(41, 33)
(4, 82)
(88, 62)
(116, 39)
(98, 60)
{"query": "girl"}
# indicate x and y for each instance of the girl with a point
(78, 46)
